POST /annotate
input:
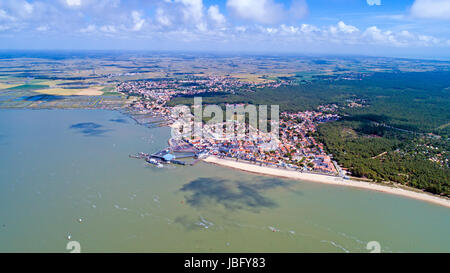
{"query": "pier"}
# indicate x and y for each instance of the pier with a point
(167, 157)
(178, 149)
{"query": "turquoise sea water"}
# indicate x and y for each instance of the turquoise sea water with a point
(67, 172)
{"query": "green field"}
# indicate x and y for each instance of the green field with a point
(29, 87)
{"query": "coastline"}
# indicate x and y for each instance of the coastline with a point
(290, 174)
(325, 179)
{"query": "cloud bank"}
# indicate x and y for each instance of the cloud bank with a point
(431, 9)
(237, 24)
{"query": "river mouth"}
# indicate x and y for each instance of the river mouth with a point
(67, 173)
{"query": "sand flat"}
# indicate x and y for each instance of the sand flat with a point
(92, 91)
(6, 85)
(327, 180)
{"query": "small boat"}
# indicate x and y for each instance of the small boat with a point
(155, 162)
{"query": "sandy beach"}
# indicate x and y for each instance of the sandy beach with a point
(326, 180)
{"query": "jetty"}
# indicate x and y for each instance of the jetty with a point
(178, 149)
(164, 157)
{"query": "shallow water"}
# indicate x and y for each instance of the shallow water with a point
(67, 172)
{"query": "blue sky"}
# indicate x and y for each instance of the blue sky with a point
(404, 28)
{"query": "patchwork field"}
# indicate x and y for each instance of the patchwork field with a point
(257, 78)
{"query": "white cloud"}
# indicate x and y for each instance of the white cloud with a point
(138, 21)
(19, 9)
(193, 13)
(162, 18)
(342, 27)
(108, 29)
(73, 3)
(403, 38)
(267, 11)
(42, 28)
(431, 9)
(88, 29)
(299, 9)
(375, 34)
(193, 9)
(289, 29)
(215, 15)
(271, 30)
(90, 5)
(271, 26)
(428, 40)
(241, 29)
(340, 34)
(406, 34)
(28, 8)
(309, 28)
(374, 2)
(3, 27)
(261, 11)
(5, 16)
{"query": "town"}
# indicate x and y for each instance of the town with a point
(294, 148)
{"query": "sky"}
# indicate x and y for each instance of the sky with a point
(399, 28)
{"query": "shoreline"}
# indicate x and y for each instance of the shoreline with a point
(290, 174)
(325, 179)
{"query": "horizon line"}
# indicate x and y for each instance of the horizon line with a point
(227, 52)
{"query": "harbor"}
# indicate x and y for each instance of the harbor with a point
(178, 153)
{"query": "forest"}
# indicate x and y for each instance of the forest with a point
(418, 102)
(384, 154)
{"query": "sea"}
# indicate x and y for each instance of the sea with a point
(66, 175)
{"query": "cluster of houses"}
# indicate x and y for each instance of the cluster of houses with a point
(294, 147)
(161, 90)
